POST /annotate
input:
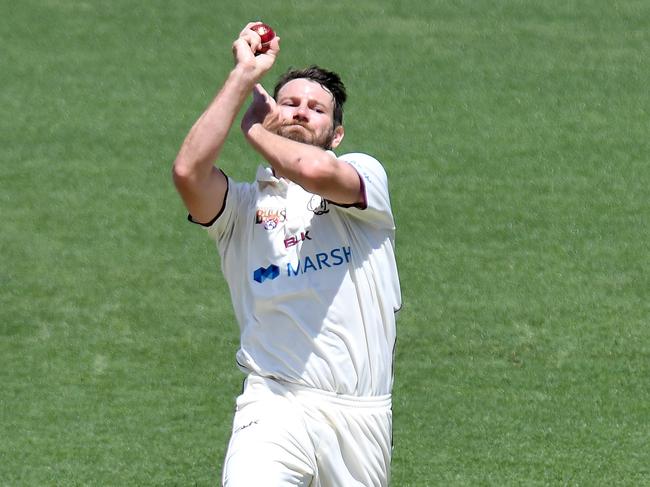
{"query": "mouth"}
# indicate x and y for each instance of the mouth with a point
(296, 126)
(300, 133)
(296, 131)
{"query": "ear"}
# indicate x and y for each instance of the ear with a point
(339, 132)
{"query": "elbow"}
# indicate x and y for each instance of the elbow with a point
(179, 170)
(182, 173)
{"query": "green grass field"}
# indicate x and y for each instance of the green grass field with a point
(516, 138)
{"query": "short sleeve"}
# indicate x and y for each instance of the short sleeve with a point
(376, 206)
(222, 227)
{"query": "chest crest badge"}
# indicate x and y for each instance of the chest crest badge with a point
(318, 205)
(270, 218)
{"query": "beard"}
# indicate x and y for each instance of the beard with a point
(300, 133)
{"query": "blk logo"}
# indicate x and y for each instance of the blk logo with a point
(296, 239)
(264, 273)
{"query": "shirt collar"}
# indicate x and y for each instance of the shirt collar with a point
(266, 179)
(265, 175)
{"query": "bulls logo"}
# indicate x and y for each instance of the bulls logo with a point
(269, 218)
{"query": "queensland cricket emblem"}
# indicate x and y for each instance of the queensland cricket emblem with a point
(318, 205)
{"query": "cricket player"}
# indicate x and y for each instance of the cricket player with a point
(307, 250)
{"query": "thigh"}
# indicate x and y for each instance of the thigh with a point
(269, 446)
(355, 447)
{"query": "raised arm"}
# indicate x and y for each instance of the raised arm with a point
(200, 183)
(294, 135)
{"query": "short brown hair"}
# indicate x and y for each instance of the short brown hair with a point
(327, 79)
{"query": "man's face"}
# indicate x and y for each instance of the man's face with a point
(307, 111)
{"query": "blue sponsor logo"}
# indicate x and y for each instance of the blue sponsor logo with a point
(264, 273)
(320, 261)
(308, 264)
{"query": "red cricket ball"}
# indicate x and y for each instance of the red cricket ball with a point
(266, 35)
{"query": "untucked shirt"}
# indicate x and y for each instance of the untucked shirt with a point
(314, 285)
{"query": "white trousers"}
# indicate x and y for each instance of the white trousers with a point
(287, 435)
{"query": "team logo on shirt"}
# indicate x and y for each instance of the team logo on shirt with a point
(263, 273)
(318, 205)
(320, 261)
(308, 264)
(269, 218)
(296, 239)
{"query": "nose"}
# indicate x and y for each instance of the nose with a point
(301, 113)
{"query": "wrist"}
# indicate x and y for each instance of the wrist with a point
(244, 76)
(251, 128)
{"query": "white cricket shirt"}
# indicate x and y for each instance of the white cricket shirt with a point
(314, 285)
